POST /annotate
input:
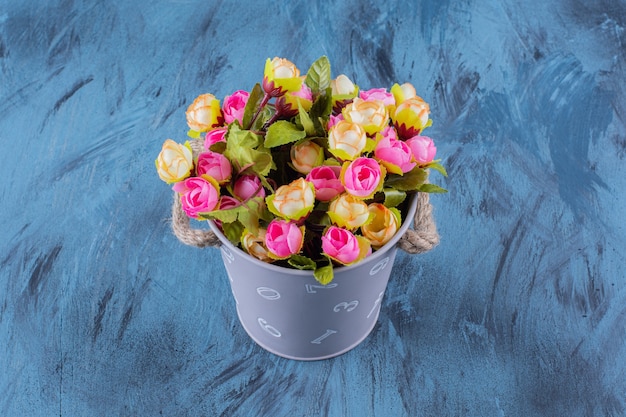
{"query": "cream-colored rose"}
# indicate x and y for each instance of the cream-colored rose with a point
(403, 92)
(281, 76)
(204, 113)
(346, 140)
(348, 211)
(306, 155)
(292, 201)
(342, 86)
(382, 227)
(255, 245)
(371, 115)
(174, 162)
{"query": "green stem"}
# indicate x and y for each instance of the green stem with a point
(266, 98)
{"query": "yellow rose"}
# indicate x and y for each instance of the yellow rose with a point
(383, 225)
(204, 113)
(411, 116)
(174, 162)
(281, 76)
(306, 155)
(292, 201)
(255, 245)
(348, 211)
(371, 115)
(346, 140)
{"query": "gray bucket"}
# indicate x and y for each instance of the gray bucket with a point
(288, 313)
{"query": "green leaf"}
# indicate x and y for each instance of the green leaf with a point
(305, 120)
(233, 232)
(250, 214)
(281, 133)
(324, 274)
(393, 197)
(238, 138)
(225, 216)
(253, 104)
(301, 262)
(437, 167)
(410, 181)
(431, 188)
(318, 76)
(321, 108)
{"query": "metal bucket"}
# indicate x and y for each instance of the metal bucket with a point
(287, 312)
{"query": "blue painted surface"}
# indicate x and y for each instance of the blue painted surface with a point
(521, 310)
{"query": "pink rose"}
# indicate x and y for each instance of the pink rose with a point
(326, 181)
(228, 202)
(378, 94)
(234, 106)
(214, 165)
(423, 149)
(214, 136)
(283, 238)
(341, 245)
(333, 120)
(394, 154)
(248, 186)
(361, 177)
(197, 195)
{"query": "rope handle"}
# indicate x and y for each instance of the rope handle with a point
(421, 238)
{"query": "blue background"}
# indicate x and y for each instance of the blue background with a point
(520, 311)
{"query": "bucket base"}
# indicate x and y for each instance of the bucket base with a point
(305, 358)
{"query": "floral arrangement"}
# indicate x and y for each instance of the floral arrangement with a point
(305, 171)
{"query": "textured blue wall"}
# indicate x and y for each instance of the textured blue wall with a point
(521, 310)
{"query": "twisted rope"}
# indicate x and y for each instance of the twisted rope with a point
(423, 236)
(185, 233)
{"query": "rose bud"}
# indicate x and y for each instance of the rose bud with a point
(248, 186)
(234, 106)
(423, 149)
(362, 177)
(255, 245)
(198, 195)
(411, 116)
(380, 94)
(292, 201)
(175, 161)
(383, 225)
(214, 165)
(283, 238)
(280, 76)
(340, 245)
(371, 115)
(394, 154)
(403, 92)
(287, 105)
(204, 113)
(306, 155)
(326, 181)
(346, 140)
(348, 211)
(343, 91)
(214, 136)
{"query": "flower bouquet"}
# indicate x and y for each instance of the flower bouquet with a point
(304, 171)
